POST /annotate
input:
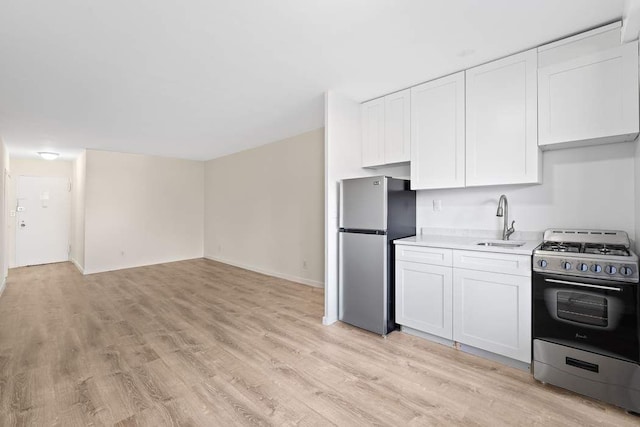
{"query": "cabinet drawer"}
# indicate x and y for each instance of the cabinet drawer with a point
(519, 265)
(424, 255)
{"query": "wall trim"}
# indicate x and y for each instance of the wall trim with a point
(127, 267)
(301, 280)
(77, 264)
(3, 286)
(329, 320)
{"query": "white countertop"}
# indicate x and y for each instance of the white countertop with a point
(467, 243)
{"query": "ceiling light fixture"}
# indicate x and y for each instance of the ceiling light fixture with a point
(48, 155)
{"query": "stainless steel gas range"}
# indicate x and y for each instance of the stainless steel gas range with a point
(586, 322)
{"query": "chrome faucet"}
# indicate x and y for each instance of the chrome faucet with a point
(503, 211)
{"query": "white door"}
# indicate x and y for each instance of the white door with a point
(502, 122)
(397, 129)
(492, 311)
(373, 133)
(592, 97)
(424, 297)
(43, 215)
(437, 133)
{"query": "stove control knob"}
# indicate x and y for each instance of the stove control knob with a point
(596, 268)
(542, 263)
(626, 271)
(566, 265)
(583, 267)
(610, 269)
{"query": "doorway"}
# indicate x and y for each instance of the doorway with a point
(43, 216)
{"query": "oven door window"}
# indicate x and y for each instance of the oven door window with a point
(582, 308)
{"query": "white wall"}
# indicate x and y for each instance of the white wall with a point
(264, 209)
(32, 167)
(78, 210)
(343, 159)
(141, 210)
(4, 205)
(586, 187)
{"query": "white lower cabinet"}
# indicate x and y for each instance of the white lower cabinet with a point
(424, 297)
(492, 311)
(476, 298)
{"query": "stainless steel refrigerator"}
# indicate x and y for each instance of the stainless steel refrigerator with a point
(373, 212)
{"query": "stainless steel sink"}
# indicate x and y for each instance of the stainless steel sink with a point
(501, 244)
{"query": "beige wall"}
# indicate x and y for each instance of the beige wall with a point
(264, 208)
(141, 210)
(32, 167)
(4, 205)
(77, 210)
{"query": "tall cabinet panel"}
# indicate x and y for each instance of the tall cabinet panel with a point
(373, 133)
(437, 133)
(397, 143)
(501, 132)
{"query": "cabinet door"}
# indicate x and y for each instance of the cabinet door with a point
(373, 133)
(492, 311)
(590, 98)
(501, 133)
(424, 297)
(397, 129)
(437, 133)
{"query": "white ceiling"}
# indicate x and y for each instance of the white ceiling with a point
(200, 78)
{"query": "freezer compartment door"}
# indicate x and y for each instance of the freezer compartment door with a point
(364, 293)
(363, 203)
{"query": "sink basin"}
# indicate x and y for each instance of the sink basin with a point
(501, 244)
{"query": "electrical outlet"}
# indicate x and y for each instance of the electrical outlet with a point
(304, 264)
(437, 205)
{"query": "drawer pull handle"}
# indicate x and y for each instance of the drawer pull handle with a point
(582, 364)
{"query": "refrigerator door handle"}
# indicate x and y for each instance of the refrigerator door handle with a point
(363, 231)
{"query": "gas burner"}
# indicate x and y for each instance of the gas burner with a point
(604, 249)
(561, 247)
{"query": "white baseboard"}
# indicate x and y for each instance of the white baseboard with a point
(78, 266)
(87, 272)
(3, 285)
(302, 280)
(329, 320)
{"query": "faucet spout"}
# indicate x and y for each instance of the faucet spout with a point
(503, 211)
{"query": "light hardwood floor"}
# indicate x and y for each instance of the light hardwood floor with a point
(202, 343)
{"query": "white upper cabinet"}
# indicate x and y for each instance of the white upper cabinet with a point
(437, 133)
(386, 130)
(588, 90)
(373, 133)
(501, 122)
(397, 134)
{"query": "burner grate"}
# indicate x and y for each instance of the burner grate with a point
(608, 250)
(561, 247)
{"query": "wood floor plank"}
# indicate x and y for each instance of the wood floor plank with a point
(203, 343)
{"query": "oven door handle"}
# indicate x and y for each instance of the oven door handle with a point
(586, 285)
